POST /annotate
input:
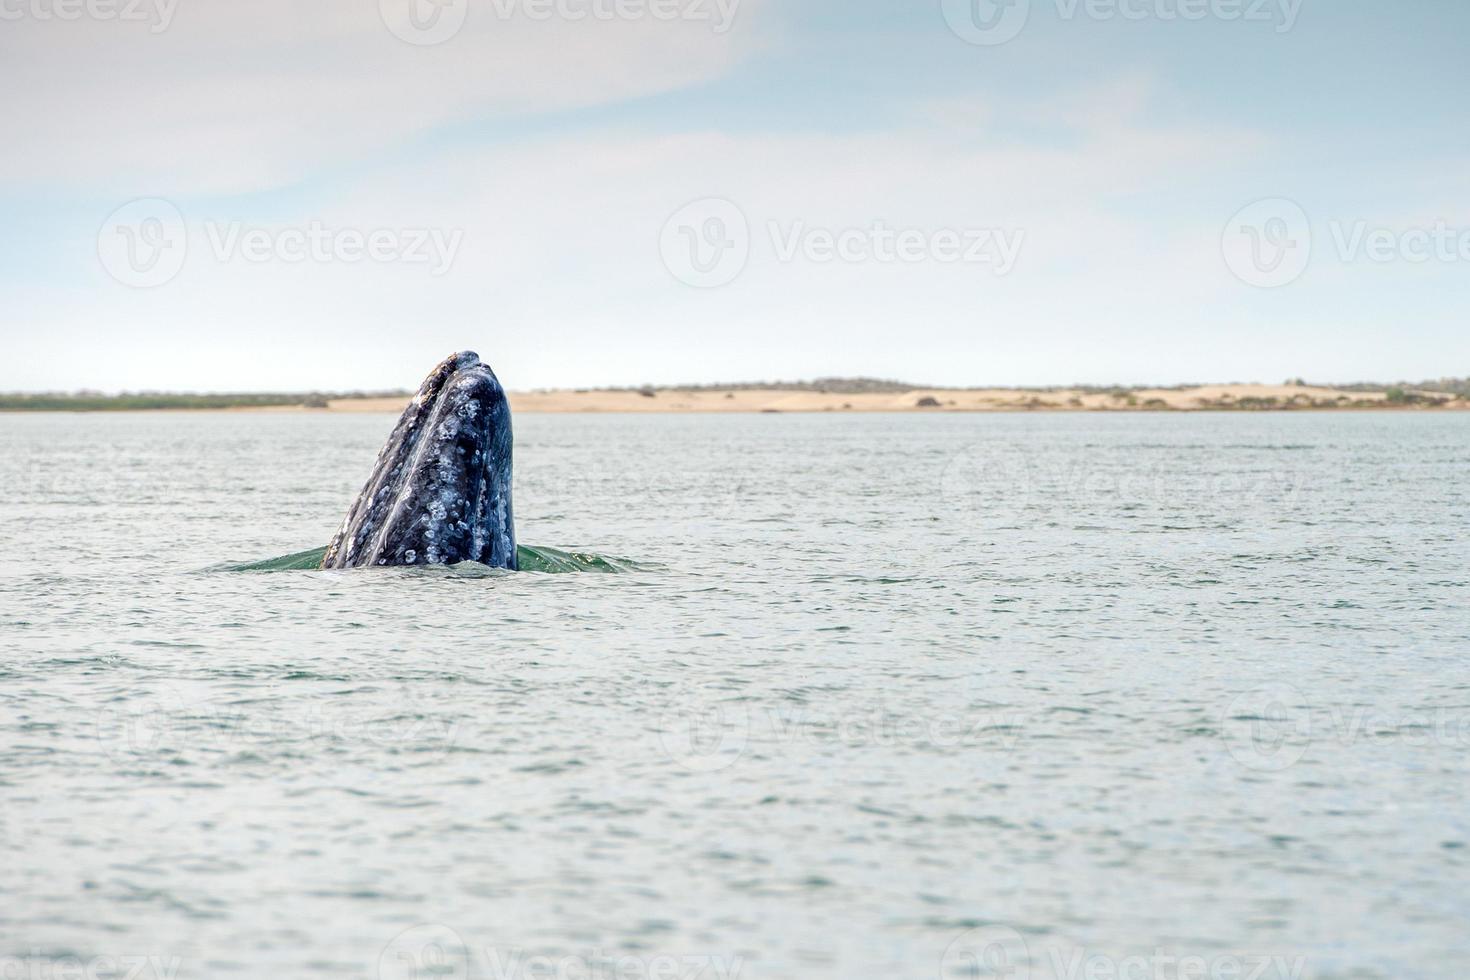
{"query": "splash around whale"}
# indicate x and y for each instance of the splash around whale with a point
(440, 492)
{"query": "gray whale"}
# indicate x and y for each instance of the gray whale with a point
(440, 492)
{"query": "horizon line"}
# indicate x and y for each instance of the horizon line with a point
(855, 384)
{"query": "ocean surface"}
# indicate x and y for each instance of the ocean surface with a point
(913, 696)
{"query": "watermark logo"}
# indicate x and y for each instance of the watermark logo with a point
(706, 243)
(1268, 244)
(988, 951)
(144, 725)
(431, 951)
(423, 23)
(1267, 729)
(705, 736)
(977, 482)
(144, 243)
(987, 22)
(157, 14)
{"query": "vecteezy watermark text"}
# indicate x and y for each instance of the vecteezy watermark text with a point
(1000, 481)
(1163, 964)
(1271, 727)
(993, 22)
(435, 950)
(428, 22)
(158, 14)
(719, 14)
(42, 966)
(316, 242)
(1270, 243)
(164, 722)
(707, 736)
(877, 242)
(145, 243)
(1001, 951)
(708, 243)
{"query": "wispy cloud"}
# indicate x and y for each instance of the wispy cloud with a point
(240, 97)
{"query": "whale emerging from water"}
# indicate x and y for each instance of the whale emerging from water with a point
(440, 491)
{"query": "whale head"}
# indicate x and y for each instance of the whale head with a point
(440, 492)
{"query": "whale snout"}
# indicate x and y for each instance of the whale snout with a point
(440, 493)
(464, 360)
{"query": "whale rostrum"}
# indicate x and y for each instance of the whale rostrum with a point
(440, 492)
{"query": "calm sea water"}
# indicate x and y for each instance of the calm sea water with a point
(1145, 696)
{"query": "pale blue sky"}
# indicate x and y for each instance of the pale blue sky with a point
(1113, 152)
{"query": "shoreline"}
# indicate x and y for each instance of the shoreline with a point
(807, 401)
(1204, 398)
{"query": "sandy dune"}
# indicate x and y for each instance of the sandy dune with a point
(1209, 397)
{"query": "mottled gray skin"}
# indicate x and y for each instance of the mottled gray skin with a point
(440, 492)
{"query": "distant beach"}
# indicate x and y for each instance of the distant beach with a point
(856, 395)
(1206, 398)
